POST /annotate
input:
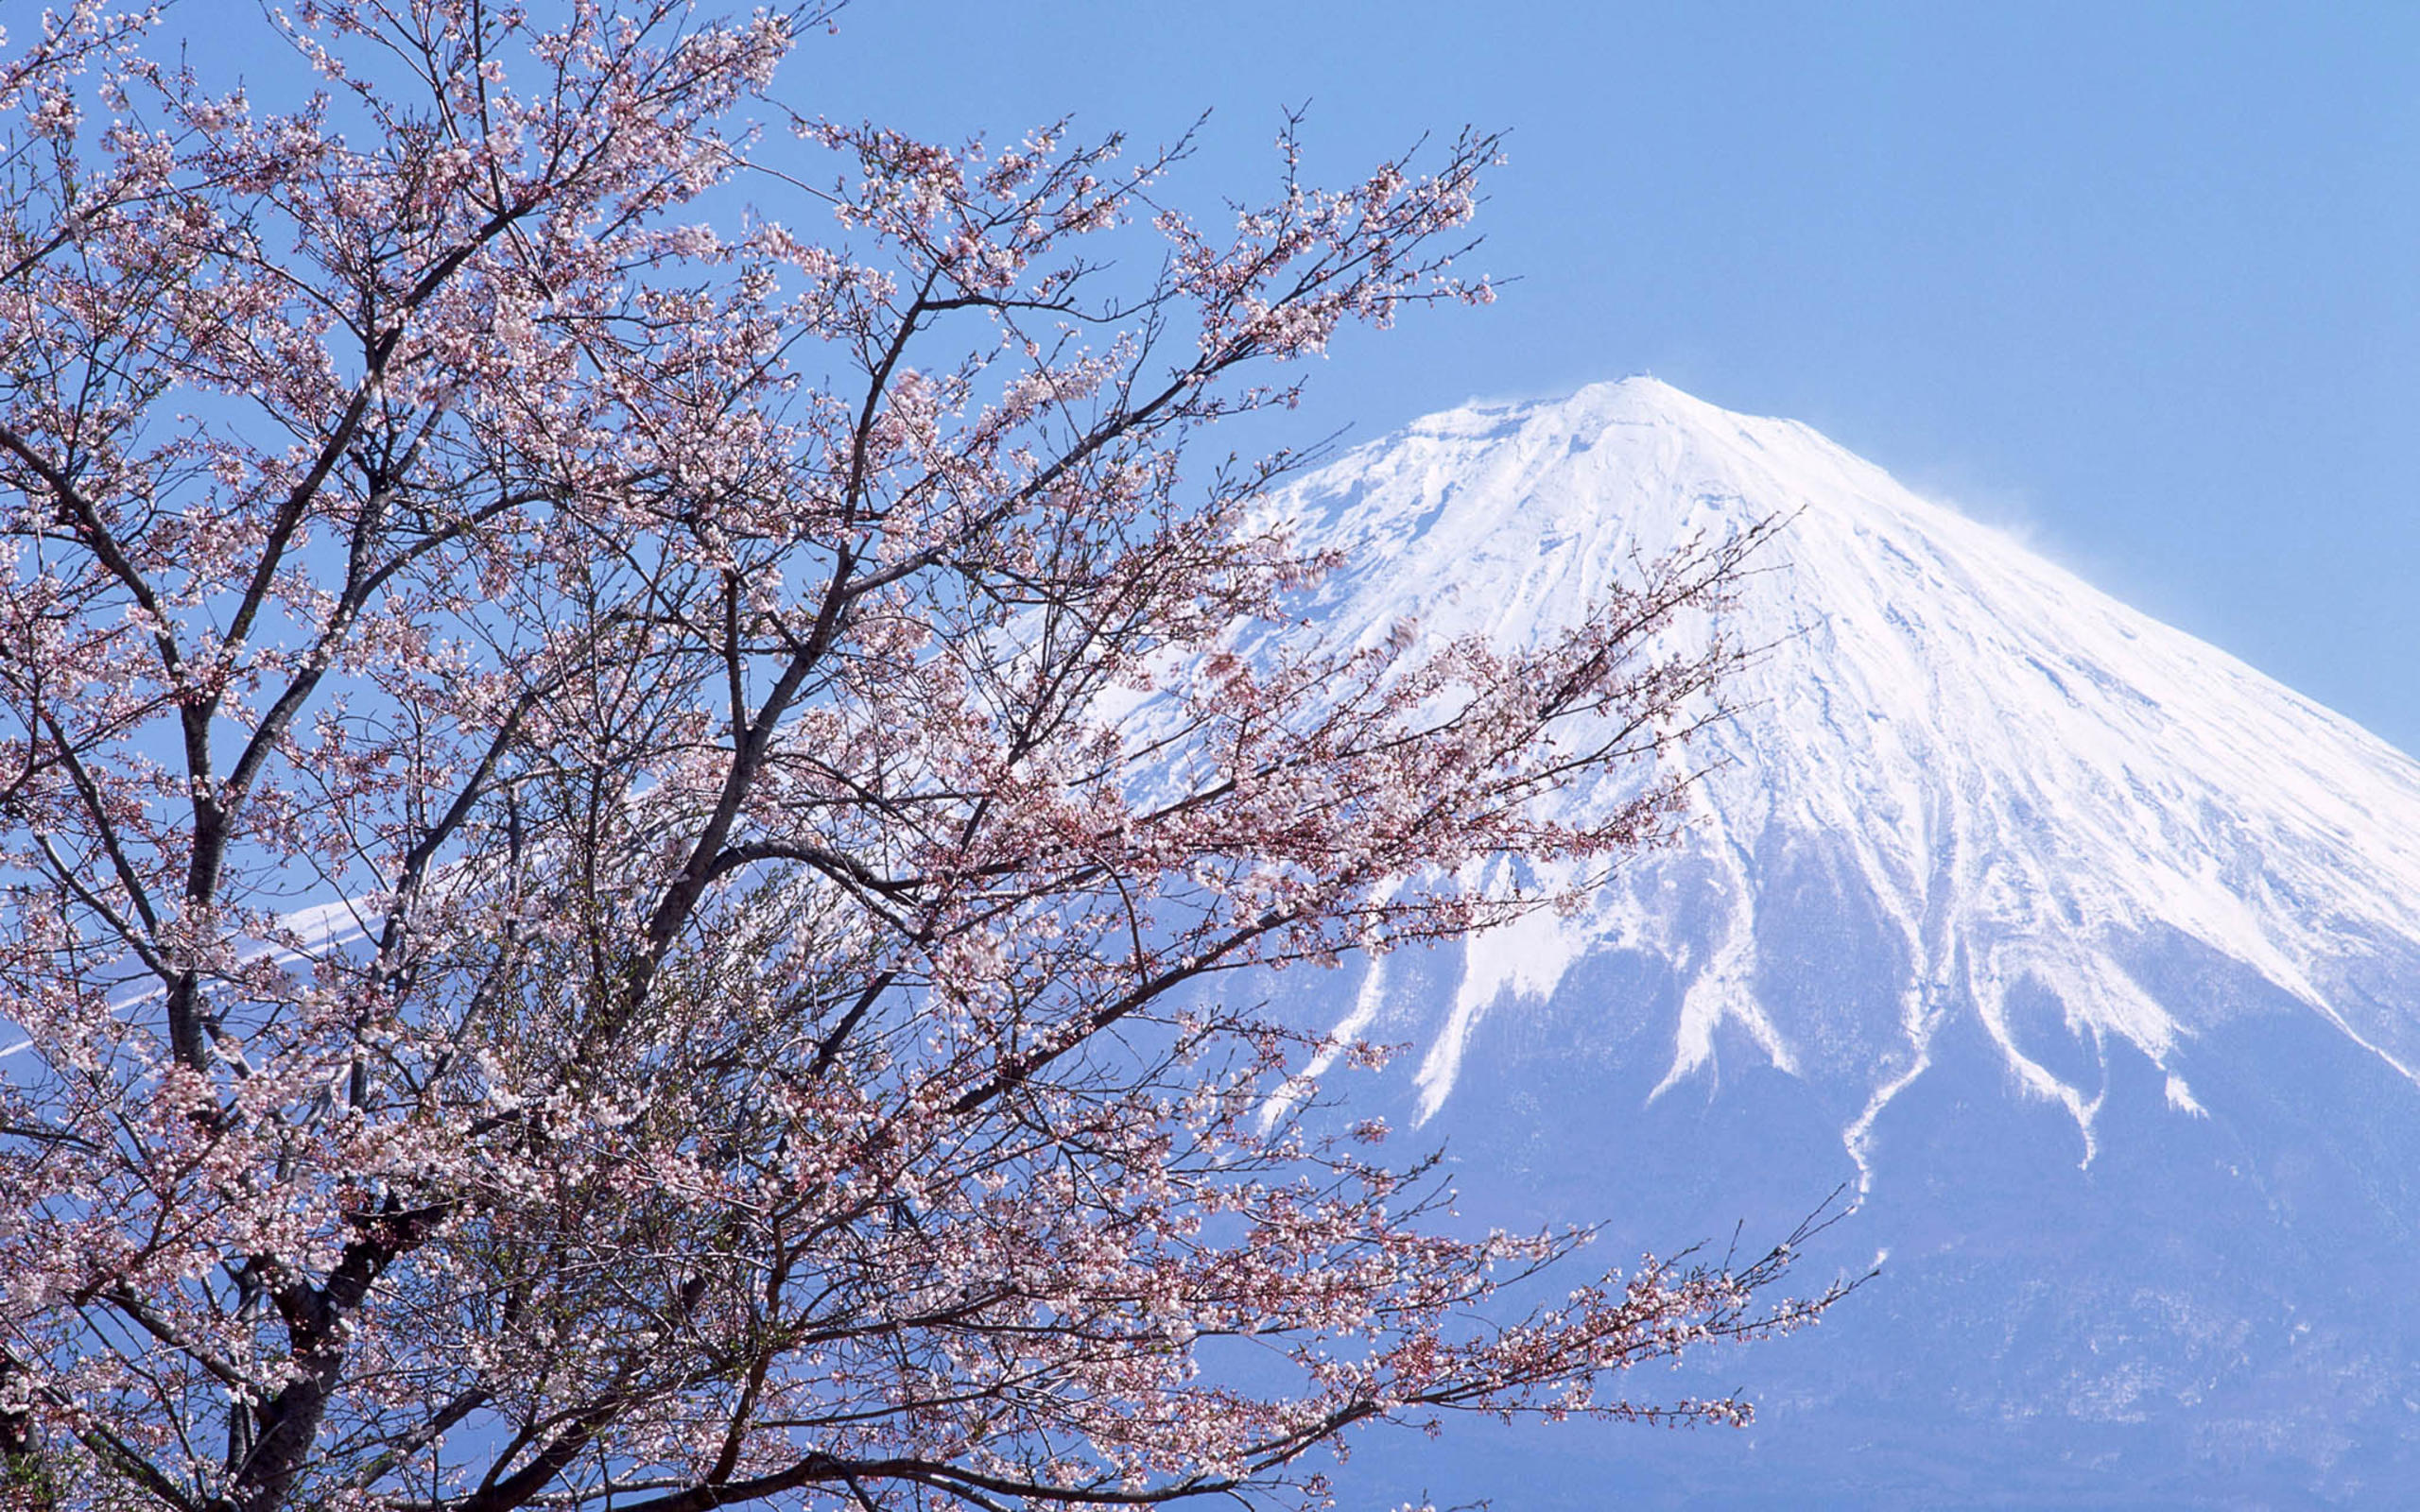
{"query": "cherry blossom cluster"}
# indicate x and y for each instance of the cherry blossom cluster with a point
(626, 825)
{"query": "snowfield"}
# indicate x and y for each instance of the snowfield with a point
(2088, 957)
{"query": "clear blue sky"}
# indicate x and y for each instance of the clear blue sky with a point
(2143, 279)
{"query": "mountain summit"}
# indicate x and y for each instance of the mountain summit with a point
(2087, 954)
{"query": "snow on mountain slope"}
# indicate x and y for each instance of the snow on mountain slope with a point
(2028, 779)
(2088, 955)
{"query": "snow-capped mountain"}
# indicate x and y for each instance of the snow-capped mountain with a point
(2087, 955)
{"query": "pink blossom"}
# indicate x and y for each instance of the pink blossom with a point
(623, 836)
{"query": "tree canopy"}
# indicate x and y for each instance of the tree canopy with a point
(625, 837)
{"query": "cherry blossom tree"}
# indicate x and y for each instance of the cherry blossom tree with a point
(626, 840)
